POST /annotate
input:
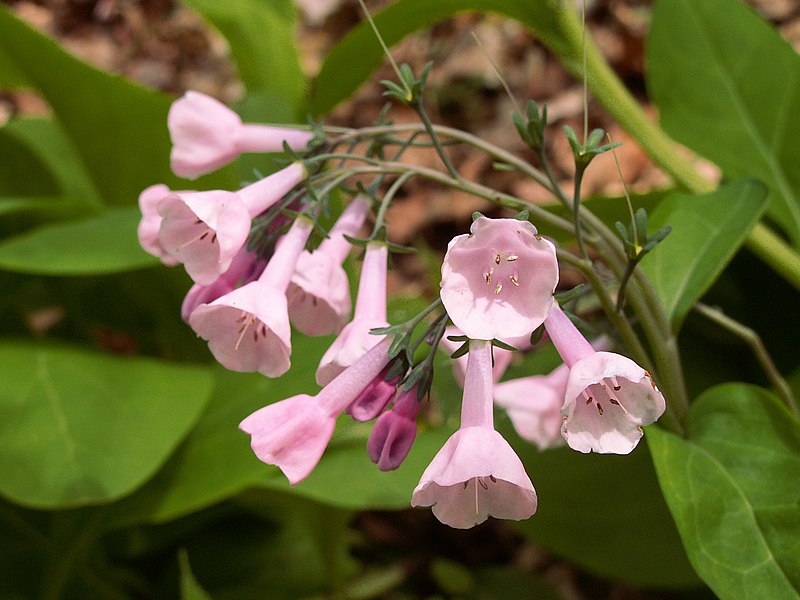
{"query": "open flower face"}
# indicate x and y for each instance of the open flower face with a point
(476, 475)
(204, 231)
(498, 281)
(608, 400)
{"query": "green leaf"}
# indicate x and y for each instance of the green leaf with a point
(733, 490)
(190, 588)
(78, 428)
(706, 232)
(262, 42)
(353, 59)
(117, 128)
(103, 244)
(729, 88)
(606, 514)
(10, 76)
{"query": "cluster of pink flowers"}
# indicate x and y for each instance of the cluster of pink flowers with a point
(498, 283)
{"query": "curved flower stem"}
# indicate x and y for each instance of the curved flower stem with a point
(419, 106)
(616, 99)
(387, 200)
(752, 339)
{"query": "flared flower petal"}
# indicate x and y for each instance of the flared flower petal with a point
(204, 231)
(607, 401)
(293, 433)
(534, 406)
(150, 222)
(498, 281)
(474, 476)
(319, 293)
(608, 397)
(247, 330)
(207, 135)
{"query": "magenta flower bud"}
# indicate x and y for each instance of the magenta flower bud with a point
(207, 135)
(608, 397)
(498, 281)
(394, 432)
(293, 433)
(374, 399)
(476, 474)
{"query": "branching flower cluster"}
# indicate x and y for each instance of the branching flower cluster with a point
(261, 264)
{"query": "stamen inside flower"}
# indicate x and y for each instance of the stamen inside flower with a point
(497, 260)
(203, 234)
(604, 390)
(246, 320)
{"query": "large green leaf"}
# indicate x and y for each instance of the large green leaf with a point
(262, 42)
(117, 128)
(78, 428)
(352, 60)
(734, 491)
(706, 232)
(728, 86)
(103, 244)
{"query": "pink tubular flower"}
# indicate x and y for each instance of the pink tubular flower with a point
(245, 268)
(292, 434)
(476, 474)
(608, 397)
(248, 329)
(534, 406)
(498, 281)
(319, 293)
(502, 358)
(355, 339)
(394, 432)
(205, 230)
(207, 135)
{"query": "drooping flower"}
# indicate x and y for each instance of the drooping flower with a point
(205, 230)
(355, 339)
(394, 432)
(207, 135)
(534, 406)
(293, 433)
(248, 329)
(476, 474)
(502, 357)
(319, 293)
(498, 281)
(608, 397)
(245, 268)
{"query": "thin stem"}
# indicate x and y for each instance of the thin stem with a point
(382, 43)
(624, 282)
(426, 121)
(752, 339)
(387, 200)
(576, 207)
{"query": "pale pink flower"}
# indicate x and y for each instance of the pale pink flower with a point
(394, 432)
(476, 474)
(207, 135)
(355, 339)
(608, 397)
(246, 267)
(502, 357)
(248, 329)
(534, 406)
(498, 281)
(319, 293)
(205, 230)
(151, 222)
(292, 434)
